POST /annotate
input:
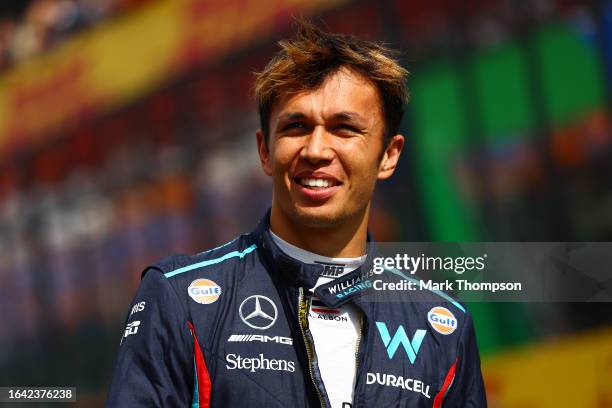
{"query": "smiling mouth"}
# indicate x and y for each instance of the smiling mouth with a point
(316, 183)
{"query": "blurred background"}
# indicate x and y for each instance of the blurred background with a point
(127, 134)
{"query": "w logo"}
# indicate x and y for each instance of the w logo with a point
(400, 337)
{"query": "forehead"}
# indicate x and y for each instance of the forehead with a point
(344, 90)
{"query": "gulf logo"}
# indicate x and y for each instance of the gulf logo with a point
(204, 291)
(442, 320)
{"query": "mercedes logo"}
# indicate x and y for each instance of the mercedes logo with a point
(258, 312)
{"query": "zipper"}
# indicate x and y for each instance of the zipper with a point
(357, 346)
(303, 306)
(357, 355)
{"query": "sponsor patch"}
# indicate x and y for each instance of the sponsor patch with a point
(131, 328)
(242, 338)
(442, 320)
(253, 364)
(389, 380)
(331, 270)
(411, 347)
(258, 312)
(345, 288)
(204, 291)
(138, 307)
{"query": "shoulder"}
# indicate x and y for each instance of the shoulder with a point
(219, 265)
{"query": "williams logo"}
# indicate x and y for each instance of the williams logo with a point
(400, 338)
(348, 287)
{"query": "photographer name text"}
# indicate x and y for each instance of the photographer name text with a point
(447, 286)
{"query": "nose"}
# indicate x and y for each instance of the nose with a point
(317, 146)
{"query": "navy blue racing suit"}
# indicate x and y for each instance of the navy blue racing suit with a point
(229, 328)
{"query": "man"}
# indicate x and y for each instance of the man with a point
(281, 317)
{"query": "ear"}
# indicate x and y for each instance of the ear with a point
(264, 155)
(390, 157)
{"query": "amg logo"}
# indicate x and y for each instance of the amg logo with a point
(260, 338)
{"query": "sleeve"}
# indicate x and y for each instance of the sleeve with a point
(155, 364)
(466, 386)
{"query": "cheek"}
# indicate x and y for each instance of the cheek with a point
(286, 152)
(367, 175)
(360, 163)
(283, 156)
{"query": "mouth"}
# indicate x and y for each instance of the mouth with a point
(316, 183)
(317, 188)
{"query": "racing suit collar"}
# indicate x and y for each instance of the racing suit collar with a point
(299, 274)
(292, 271)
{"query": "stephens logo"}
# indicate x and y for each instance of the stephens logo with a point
(442, 320)
(204, 291)
(400, 338)
(253, 364)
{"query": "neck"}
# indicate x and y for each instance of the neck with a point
(344, 240)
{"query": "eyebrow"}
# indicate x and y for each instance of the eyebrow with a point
(348, 115)
(344, 115)
(291, 116)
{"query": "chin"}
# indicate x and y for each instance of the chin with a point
(319, 217)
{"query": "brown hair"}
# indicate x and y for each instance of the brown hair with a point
(304, 62)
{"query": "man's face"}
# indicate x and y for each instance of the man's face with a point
(325, 151)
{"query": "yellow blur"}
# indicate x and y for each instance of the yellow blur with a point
(126, 57)
(570, 372)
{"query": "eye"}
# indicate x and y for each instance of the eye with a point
(294, 125)
(347, 127)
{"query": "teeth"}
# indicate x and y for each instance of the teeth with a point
(311, 182)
